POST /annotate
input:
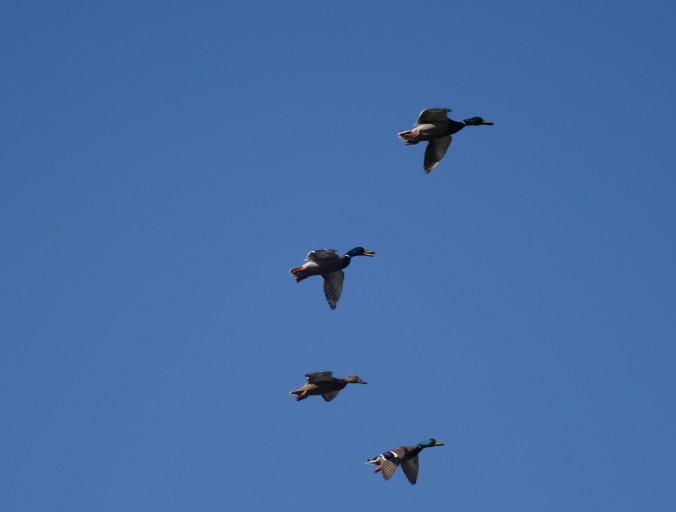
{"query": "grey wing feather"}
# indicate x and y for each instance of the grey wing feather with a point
(410, 468)
(435, 151)
(433, 115)
(330, 396)
(319, 376)
(388, 468)
(320, 254)
(333, 287)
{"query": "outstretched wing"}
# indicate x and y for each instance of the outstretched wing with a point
(315, 377)
(436, 149)
(330, 396)
(410, 468)
(388, 468)
(333, 287)
(320, 254)
(433, 115)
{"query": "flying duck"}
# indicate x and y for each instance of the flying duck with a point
(434, 126)
(329, 265)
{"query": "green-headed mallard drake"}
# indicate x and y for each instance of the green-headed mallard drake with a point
(329, 265)
(325, 384)
(433, 125)
(404, 456)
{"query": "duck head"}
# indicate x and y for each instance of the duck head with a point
(359, 251)
(477, 121)
(353, 379)
(428, 443)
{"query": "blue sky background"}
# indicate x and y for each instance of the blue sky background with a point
(165, 163)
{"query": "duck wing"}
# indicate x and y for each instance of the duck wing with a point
(433, 115)
(333, 287)
(388, 468)
(410, 468)
(436, 149)
(315, 377)
(398, 453)
(320, 254)
(330, 396)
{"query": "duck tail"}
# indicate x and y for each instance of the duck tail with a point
(298, 273)
(300, 394)
(408, 136)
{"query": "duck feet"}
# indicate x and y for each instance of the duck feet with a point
(379, 468)
(409, 134)
(298, 273)
(301, 396)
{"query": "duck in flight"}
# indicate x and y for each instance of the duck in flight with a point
(329, 265)
(404, 456)
(324, 384)
(434, 125)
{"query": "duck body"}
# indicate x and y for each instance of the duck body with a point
(324, 384)
(434, 126)
(404, 456)
(328, 264)
(320, 263)
(432, 131)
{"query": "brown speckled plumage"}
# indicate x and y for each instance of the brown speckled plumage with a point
(324, 384)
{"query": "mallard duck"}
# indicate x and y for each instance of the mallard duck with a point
(329, 265)
(325, 384)
(404, 456)
(433, 125)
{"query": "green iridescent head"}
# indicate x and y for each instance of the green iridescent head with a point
(428, 443)
(477, 121)
(359, 251)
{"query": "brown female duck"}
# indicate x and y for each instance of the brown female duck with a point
(324, 384)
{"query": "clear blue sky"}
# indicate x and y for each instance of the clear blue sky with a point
(165, 163)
